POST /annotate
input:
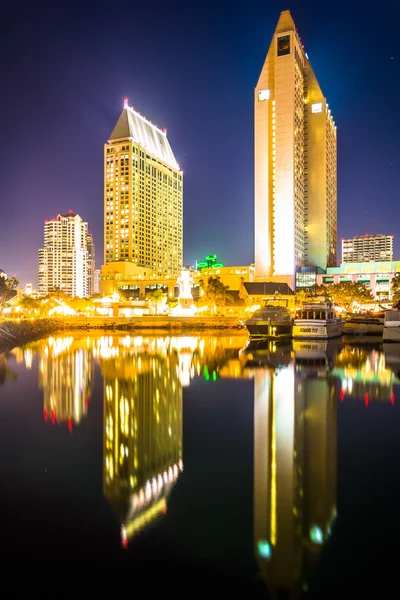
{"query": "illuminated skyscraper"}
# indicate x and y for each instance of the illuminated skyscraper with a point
(91, 264)
(63, 261)
(142, 196)
(142, 435)
(294, 472)
(295, 163)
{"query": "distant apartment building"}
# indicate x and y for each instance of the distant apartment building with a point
(367, 248)
(63, 260)
(97, 275)
(91, 264)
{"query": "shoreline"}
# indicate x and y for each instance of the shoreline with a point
(19, 333)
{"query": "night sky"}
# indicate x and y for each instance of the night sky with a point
(191, 68)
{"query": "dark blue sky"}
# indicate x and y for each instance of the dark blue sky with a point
(191, 68)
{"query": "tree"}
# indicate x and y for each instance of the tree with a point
(395, 288)
(346, 293)
(215, 293)
(8, 288)
(310, 294)
(29, 304)
(155, 296)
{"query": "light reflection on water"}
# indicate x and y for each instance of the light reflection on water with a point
(297, 388)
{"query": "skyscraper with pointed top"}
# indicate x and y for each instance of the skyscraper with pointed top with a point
(295, 163)
(143, 196)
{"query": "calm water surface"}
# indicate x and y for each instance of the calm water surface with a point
(171, 461)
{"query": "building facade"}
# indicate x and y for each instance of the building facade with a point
(97, 281)
(295, 163)
(143, 197)
(367, 248)
(91, 264)
(376, 275)
(63, 260)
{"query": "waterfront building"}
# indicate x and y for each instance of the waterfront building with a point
(132, 281)
(91, 264)
(295, 163)
(367, 248)
(63, 260)
(143, 196)
(376, 275)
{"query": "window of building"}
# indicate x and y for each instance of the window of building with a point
(283, 45)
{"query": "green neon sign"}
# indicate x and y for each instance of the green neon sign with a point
(210, 262)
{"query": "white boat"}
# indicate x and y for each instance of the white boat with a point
(272, 321)
(317, 321)
(391, 326)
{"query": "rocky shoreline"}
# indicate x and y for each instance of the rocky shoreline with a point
(18, 333)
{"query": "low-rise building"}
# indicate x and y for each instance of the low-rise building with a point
(129, 280)
(376, 275)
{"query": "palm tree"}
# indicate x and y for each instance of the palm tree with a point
(155, 296)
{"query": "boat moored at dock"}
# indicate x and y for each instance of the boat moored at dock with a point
(272, 321)
(391, 326)
(317, 321)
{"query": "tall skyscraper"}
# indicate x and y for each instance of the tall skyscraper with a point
(63, 261)
(91, 264)
(295, 163)
(142, 196)
(368, 248)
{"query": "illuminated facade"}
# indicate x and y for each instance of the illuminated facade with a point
(295, 163)
(65, 375)
(376, 275)
(143, 197)
(142, 433)
(91, 264)
(63, 261)
(367, 248)
(294, 471)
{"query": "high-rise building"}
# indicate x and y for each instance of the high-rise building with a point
(367, 248)
(142, 196)
(91, 263)
(97, 274)
(295, 163)
(63, 261)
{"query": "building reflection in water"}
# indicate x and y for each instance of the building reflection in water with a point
(295, 454)
(142, 431)
(66, 376)
(367, 373)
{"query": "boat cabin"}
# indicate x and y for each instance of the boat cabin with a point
(316, 312)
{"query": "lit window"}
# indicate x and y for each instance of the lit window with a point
(316, 108)
(263, 95)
